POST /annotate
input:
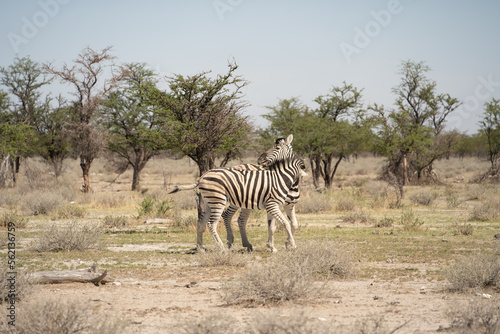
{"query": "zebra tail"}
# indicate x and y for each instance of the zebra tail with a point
(180, 188)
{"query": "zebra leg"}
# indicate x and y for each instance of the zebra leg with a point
(242, 224)
(274, 210)
(271, 228)
(202, 224)
(227, 216)
(216, 210)
(290, 212)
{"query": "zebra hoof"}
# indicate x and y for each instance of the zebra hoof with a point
(290, 246)
(272, 249)
(250, 248)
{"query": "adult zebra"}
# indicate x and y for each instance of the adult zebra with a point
(289, 206)
(249, 189)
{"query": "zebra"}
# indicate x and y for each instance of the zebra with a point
(249, 189)
(289, 206)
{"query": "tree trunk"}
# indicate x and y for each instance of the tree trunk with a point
(70, 276)
(85, 165)
(405, 171)
(315, 162)
(135, 178)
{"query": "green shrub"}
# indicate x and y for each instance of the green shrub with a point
(409, 221)
(384, 222)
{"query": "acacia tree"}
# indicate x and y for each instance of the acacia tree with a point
(203, 117)
(14, 138)
(23, 80)
(412, 135)
(490, 129)
(88, 77)
(132, 121)
(328, 134)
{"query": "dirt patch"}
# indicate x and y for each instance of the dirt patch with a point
(164, 304)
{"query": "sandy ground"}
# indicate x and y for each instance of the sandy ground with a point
(164, 302)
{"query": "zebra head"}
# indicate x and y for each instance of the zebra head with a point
(281, 150)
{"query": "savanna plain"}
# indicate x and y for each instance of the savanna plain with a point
(364, 263)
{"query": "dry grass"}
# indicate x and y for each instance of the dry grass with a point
(23, 285)
(358, 216)
(13, 217)
(313, 201)
(474, 272)
(478, 316)
(222, 258)
(488, 211)
(423, 197)
(62, 316)
(73, 236)
(410, 221)
(291, 276)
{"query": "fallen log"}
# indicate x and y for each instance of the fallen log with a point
(71, 276)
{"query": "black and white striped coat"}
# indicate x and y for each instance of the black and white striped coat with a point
(289, 206)
(248, 189)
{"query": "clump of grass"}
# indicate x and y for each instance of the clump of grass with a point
(63, 316)
(314, 201)
(476, 271)
(478, 316)
(379, 193)
(488, 211)
(453, 201)
(186, 223)
(409, 221)
(221, 258)
(13, 217)
(40, 202)
(384, 222)
(73, 236)
(296, 322)
(345, 203)
(422, 198)
(464, 229)
(213, 323)
(151, 206)
(71, 211)
(290, 276)
(23, 284)
(357, 216)
(115, 221)
(476, 192)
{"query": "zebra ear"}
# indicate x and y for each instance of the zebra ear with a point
(289, 139)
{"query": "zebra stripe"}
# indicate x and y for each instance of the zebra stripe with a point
(289, 206)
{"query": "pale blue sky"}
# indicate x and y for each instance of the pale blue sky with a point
(284, 48)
